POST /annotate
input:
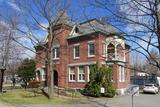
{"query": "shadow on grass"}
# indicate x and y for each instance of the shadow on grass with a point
(44, 93)
(26, 97)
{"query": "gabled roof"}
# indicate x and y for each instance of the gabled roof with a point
(91, 26)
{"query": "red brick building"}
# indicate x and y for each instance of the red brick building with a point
(79, 46)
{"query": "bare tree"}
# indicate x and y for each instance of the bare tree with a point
(38, 18)
(7, 47)
(137, 64)
(137, 20)
(149, 68)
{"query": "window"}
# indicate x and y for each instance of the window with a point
(110, 52)
(81, 73)
(121, 74)
(40, 75)
(56, 53)
(72, 74)
(91, 49)
(76, 51)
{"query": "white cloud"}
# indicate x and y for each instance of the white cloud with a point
(3, 23)
(14, 5)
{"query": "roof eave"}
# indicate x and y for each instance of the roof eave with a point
(91, 33)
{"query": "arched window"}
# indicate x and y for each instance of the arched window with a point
(38, 75)
(110, 52)
(55, 43)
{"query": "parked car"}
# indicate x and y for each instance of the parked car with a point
(150, 88)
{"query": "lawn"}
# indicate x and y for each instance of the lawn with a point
(21, 96)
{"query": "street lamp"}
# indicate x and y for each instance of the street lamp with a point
(2, 69)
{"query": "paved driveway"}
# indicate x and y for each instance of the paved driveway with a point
(3, 105)
(143, 100)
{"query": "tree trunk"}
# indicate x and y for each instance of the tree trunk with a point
(1, 80)
(51, 88)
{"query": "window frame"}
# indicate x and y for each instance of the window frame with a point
(81, 80)
(55, 51)
(74, 51)
(88, 71)
(121, 73)
(73, 74)
(89, 47)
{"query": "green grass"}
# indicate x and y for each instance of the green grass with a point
(21, 96)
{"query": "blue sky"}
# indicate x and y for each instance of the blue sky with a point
(79, 11)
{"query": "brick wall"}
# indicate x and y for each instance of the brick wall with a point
(67, 59)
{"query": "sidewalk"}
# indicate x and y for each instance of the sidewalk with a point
(4, 105)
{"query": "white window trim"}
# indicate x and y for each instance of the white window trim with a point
(78, 75)
(88, 71)
(74, 51)
(121, 74)
(43, 74)
(91, 42)
(70, 73)
(83, 63)
(55, 57)
(37, 76)
(38, 69)
(104, 49)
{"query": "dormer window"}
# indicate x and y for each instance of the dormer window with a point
(76, 30)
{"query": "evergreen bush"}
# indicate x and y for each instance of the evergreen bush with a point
(101, 77)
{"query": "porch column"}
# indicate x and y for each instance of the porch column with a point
(115, 52)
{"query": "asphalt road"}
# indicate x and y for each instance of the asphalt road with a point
(143, 100)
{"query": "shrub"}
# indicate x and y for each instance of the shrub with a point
(110, 91)
(93, 90)
(101, 77)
